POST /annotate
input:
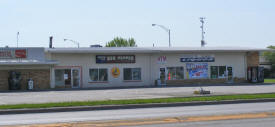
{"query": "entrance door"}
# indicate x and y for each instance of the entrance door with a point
(229, 74)
(162, 76)
(75, 82)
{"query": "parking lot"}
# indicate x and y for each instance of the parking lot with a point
(129, 93)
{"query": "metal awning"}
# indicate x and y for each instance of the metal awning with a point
(26, 62)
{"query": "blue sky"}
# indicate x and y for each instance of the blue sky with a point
(246, 23)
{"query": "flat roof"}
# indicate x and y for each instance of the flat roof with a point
(152, 49)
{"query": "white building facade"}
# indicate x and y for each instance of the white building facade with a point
(118, 67)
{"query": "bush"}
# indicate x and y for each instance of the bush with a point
(267, 73)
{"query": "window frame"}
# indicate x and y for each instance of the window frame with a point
(175, 72)
(218, 74)
(132, 75)
(98, 76)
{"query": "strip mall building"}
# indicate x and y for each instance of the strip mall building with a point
(118, 67)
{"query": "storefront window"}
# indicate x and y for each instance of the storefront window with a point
(218, 72)
(62, 77)
(214, 72)
(175, 73)
(222, 70)
(98, 74)
(59, 77)
(132, 74)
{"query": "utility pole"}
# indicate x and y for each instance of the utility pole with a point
(202, 31)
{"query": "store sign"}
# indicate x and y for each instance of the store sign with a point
(161, 59)
(197, 70)
(115, 59)
(115, 72)
(198, 58)
(13, 53)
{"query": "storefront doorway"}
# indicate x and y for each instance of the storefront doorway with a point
(67, 78)
(162, 76)
(230, 74)
(75, 78)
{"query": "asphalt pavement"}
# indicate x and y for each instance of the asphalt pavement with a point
(142, 114)
(129, 93)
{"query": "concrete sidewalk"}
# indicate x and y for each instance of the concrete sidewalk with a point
(130, 93)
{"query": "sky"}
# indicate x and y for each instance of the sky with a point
(244, 23)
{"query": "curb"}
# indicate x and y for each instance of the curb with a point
(128, 106)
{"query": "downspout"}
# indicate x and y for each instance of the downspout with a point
(245, 64)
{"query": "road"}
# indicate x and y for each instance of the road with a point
(267, 122)
(147, 116)
(130, 93)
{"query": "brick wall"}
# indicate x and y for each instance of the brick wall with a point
(41, 78)
(4, 80)
(253, 59)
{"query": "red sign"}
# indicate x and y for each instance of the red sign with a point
(20, 53)
(162, 59)
(13, 53)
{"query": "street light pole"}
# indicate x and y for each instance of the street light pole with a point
(166, 29)
(73, 42)
(169, 38)
(17, 38)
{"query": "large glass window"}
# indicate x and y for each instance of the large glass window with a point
(175, 73)
(62, 77)
(132, 74)
(98, 74)
(222, 70)
(218, 71)
(214, 72)
(59, 77)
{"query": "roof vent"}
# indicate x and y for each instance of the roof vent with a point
(95, 46)
(51, 42)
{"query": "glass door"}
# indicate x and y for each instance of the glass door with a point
(162, 76)
(229, 74)
(75, 82)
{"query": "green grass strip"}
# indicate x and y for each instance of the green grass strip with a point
(269, 80)
(141, 101)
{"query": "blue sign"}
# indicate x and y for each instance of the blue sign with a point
(198, 59)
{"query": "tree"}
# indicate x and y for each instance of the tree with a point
(270, 56)
(121, 42)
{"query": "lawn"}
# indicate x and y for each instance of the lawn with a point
(142, 101)
(269, 80)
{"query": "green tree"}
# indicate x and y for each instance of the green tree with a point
(270, 56)
(121, 42)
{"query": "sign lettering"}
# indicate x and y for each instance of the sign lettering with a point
(198, 59)
(115, 59)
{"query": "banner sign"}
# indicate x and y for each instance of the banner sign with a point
(7, 53)
(197, 70)
(115, 59)
(198, 58)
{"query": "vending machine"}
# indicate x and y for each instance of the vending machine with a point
(255, 74)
